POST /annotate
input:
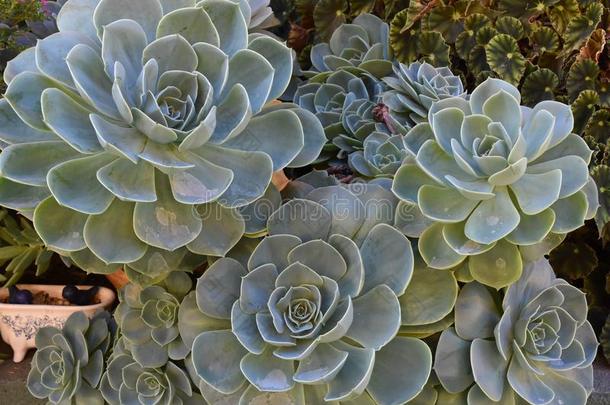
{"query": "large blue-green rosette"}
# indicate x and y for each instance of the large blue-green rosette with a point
(494, 182)
(314, 315)
(537, 348)
(137, 131)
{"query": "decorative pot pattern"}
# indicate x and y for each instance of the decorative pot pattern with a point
(20, 323)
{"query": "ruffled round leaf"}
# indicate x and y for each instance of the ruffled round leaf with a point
(432, 48)
(328, 15)
(581, 76)
(574, 261)
(504, 57)
(580, 27)
(539, 86)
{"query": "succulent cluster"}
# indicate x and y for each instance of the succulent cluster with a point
(538, 346)
(347, 106)
(125, 129)
(431, 166)
(496, 181)
(68, 364)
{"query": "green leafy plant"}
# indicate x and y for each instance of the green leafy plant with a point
(496, 181)
(125, 131)
(20, 248)
(69, 363)
(538, 346)
(313, 315)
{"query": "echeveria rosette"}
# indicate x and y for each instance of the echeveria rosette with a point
(69, 363)
(382, 156)
(537, 348)
(414, 88)
(148, 319)
(313, 318)
(494, 181)
(362, 46)
(126, 382)
(348, 106)
(137, 116)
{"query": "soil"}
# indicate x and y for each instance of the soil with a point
(43, 298)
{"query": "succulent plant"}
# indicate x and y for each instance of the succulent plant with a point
(414, 88)
(348, 106)
(126, 382)
(125, 126)
(362, 46)
(69, 363)
(382, 155)
(538, 347)
(314, 316)
(148, 318)
(495, 181)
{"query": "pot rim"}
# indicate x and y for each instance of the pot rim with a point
(105, 295)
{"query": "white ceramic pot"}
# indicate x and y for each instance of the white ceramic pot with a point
(20, 323)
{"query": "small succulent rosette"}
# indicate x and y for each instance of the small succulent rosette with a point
(537, 348)
(382, 156)
(126, 382)
(348, 106)
(415, 87)
(139, 115)
(314, 315)
(362, 46)
(148, 319)
(494, 182)
(68, 364)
